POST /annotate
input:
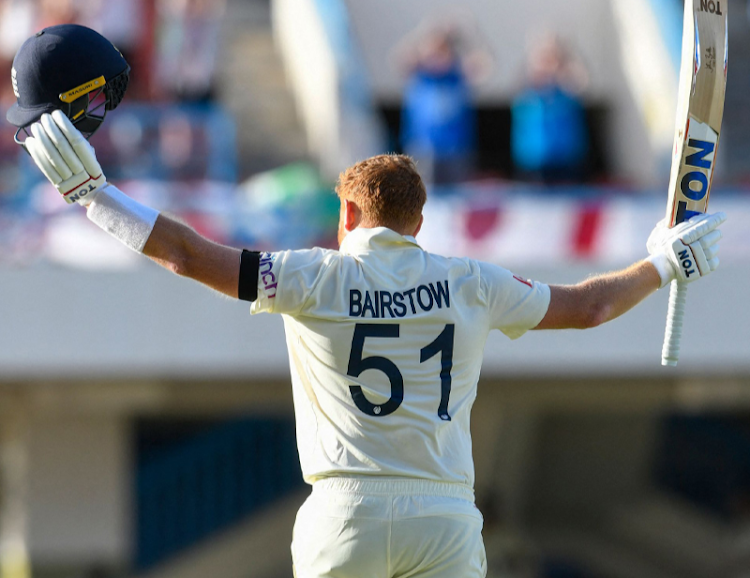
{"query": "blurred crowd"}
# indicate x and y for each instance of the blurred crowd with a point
(173, 127)
(172, 45)
(173, 48)
(442, 61)
(549, 132)
(445, 59)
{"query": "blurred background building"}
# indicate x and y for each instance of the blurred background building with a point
(146, 425)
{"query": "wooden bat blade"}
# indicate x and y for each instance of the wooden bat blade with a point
(700, 109)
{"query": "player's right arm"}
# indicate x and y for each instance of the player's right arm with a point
(599, 299)
(68, 161)
(687, 252)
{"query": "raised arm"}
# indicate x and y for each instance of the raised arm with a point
(686, 253)
(69, 162)
(599, 299)
(180, 249)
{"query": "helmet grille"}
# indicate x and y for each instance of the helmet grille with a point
(115, 89)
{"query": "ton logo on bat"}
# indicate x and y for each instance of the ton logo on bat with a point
(711, 6)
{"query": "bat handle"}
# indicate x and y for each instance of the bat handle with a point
(670, 352)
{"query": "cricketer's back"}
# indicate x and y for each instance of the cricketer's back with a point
(385, 346)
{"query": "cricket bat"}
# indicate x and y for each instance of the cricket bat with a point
(700, 108)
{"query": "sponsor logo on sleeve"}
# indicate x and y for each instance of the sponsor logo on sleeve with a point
(267, 274)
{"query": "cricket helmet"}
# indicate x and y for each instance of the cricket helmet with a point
(71, 68)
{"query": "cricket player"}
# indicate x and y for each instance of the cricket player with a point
(385, 344)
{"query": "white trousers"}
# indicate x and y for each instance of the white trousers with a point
(362, 528)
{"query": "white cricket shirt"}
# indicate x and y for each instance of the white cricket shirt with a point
(385, 346)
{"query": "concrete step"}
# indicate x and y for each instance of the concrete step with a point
(245, 13)
(597, 554)
(254, 88)
(675, 533)
(258, 547)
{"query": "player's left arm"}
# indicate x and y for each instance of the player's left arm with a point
(183, 251)
(67, 159)
(686, 253)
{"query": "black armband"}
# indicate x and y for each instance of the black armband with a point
(247, 289)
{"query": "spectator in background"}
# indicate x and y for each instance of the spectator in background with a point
(549, 133)
(120, 21)
(16, 25)
(125, 24)
(19, 19)
(52, 12)
(438, 119)
(188, 44)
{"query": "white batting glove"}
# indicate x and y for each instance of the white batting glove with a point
(687, 251)
(66, 158)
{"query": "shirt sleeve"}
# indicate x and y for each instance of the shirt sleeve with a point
(286, 279)
(515, 304)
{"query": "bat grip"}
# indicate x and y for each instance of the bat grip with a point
(670, 352)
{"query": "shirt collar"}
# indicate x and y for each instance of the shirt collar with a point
(362, 240)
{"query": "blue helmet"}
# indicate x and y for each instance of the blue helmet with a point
(71, 68)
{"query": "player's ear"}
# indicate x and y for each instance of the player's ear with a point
(352, 215)
(419, 226)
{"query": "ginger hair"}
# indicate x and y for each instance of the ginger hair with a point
(387, 189)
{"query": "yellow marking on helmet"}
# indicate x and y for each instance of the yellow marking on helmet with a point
(79, 113)
(85, 88)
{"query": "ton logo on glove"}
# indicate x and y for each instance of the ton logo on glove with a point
(80, 194)
(65, 157)
(687, 264)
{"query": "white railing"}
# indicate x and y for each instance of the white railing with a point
(328, 78)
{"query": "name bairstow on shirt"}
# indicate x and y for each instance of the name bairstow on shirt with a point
(383, 304)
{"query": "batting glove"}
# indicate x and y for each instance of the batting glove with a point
(687, 251)
(66, 158)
